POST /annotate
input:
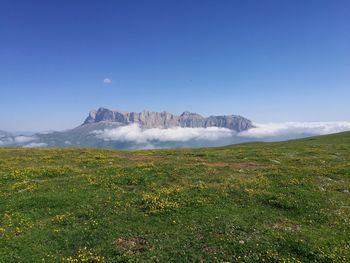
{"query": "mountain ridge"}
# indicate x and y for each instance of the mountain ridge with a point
(117, 129)
(164, 119)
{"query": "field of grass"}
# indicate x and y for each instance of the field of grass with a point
(255, 202)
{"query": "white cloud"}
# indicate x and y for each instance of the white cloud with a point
(23, 139)
(294, 129)
(6, 141)
(35, 145)
(133, 133)
(45, 132)
(107, 81)
(218, 136)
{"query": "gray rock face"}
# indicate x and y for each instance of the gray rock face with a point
(148, 119)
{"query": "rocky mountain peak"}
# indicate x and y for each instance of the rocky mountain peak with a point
(187, 113)
(149, 119)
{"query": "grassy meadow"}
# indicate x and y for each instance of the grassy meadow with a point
(254, 202)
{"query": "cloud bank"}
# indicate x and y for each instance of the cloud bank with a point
(134, 137)
(294, 129)
(35, 145)
(16, 140)
(262, 132)
(133, 133)
(23, 139)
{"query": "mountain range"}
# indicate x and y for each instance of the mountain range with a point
(105, 128)
(148, 119)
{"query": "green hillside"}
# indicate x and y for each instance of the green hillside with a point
(255, 202)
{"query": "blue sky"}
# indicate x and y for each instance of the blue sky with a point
(271, 61)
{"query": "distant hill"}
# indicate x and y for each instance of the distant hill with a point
(4, 133)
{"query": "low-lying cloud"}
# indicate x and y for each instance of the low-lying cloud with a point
(35, 145)
(24, 139)
(294, 129)
(211, 135)
(133, 133)
(135, 137)
(20, 140)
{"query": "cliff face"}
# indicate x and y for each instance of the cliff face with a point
(148, 119)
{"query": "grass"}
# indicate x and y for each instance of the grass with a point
(255, 202)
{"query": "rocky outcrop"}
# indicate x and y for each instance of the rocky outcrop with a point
(148, 119)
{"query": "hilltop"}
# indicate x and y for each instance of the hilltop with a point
(254, 202)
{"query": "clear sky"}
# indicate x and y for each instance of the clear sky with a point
(270, 61)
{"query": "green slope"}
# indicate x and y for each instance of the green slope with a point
(255, 202)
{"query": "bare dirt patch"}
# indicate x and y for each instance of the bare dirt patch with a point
(286, 225)
(131, 244)
(213, 249)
